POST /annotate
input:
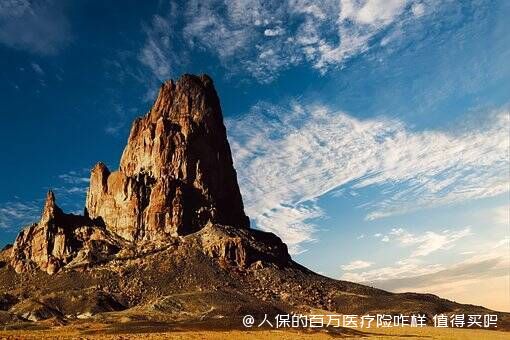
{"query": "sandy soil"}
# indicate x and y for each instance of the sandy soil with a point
(94, 331)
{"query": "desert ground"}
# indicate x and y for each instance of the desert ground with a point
(132, 328)
(102, 331)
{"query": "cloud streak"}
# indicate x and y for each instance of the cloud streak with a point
(39, 27)
(267, 37)
(289, 157)
(486, 272)
(427, 243)
(356, 265)
(70, 189)
(73, 177)
(158, 51)
(15, 214)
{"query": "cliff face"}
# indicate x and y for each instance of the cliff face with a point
(43, 244)
(165, 238)
(176, 177)
(176, 172)
(60, 239)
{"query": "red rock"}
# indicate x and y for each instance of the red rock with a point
(176, 178)
(176, 172)
(58, 239)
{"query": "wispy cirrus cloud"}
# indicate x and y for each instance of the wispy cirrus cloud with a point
(413, 265)
(70, 189)
(289, 157)
(407, 267)
(266, 37)
(14, 214)
(501, 215)
(411, 274)
(485, 271)
(37, 68)
(36, 26)
(412, 271)
(119, 118)
(159, 52)
(356, 265)
(73, 177)
(426, 243)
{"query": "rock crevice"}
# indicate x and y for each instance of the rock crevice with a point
(176, 176)
(59, 238)
(176, 173)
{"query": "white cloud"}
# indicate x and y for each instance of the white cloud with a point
(15, 214)
(73, 177)
(70, 189)
(39, 26)
(356, 265)
(427, 243)
(418, 9)
(401, 269)
(121, 115)
(288, 157)
(226, 35)
(114, 128)
(501, 215)
(358, 23)
(273, 32)
(408, 274)
(157, 52)
(37, 68)
(486, 272)
(265, 37)
(371, 12)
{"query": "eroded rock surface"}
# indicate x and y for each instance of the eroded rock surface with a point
(176, 177)
(165, 238)
(60, 239)
(240, 247)
(176, 172)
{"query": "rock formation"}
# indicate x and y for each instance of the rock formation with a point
(60, 239)
(176, 172)
(176, 176)
(164, 241)
(43, 244)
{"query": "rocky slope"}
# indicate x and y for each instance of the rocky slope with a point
(176, 175)
(165, 238)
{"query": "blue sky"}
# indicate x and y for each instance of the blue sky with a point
(372, 136)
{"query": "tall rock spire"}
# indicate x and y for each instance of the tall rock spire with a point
(176, 172)
(176, 177)
(49, 243)
(51, 211)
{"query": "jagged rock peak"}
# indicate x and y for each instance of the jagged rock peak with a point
(176, 173)
(60, 239)
(198, 89)
(51, 211)
(176, 177)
